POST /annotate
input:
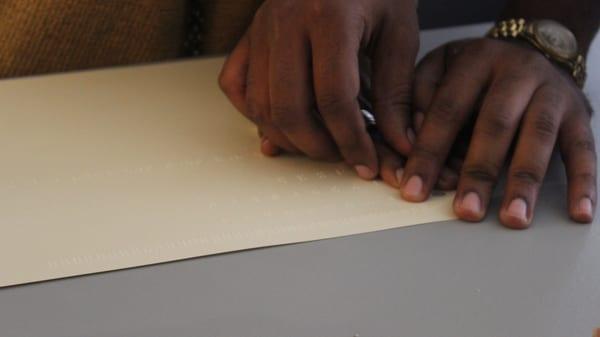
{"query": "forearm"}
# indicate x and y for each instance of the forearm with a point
(582, 17)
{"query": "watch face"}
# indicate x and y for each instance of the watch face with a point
(556, 38)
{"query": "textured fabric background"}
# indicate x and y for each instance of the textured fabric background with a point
(41, 36)
(45, 36)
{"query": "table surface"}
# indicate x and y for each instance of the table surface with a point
(441, 279)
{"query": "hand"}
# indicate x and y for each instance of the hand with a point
(390, 162)
(516, 96)
(295, 74)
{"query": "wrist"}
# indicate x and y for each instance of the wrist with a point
(581, 17)
(556, 42)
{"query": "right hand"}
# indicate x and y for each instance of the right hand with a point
(295, 74)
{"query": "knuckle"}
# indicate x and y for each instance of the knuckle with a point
(399, 101)
(454, 49)
(506, 81)
(283, 11)
(546, 124)
(320, 11)
(526, 58)
(480, 47)
(482, 44)
(553, 94)
(587, 108)
(226, 83)
(535, 62)
(584, 145)
(497, 123)
(527, 176)
(482, 172)
(584, 177)
(334, 104)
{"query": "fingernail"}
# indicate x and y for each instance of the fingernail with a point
(410, 134)
(471, 203)
(364, 172)
(414, 187)
(399, 175)
(518, 210)
(585, 207)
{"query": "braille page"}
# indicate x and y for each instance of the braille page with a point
(114, 169)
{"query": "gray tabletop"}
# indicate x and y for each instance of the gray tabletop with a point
(443, 279)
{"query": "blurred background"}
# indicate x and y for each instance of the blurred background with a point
(443, 13)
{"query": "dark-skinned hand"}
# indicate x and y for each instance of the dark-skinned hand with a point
(295, 74)
(516, 97)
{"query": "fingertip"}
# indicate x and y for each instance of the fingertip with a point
(365, 172)
(583, 211)
(413, 190)
(269, 149)
(389, 178)
(469, 207)
(513, 223)
(515, 216)
(389, 175)
(390, 164)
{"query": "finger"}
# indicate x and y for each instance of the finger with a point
(291, 98)
(532, 155)
(393, 65)
(428, 74)
(390, 163)
(579, 155)
(453, 102)
(232, 79)
(337, 86)
(496, 126)
(257, 102)
(268, 148)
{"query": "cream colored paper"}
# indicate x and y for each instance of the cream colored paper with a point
(121, 168)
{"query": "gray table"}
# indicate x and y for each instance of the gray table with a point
(444, 279)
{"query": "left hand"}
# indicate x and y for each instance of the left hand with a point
(515, 95)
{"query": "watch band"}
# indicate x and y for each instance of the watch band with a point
(521, 29)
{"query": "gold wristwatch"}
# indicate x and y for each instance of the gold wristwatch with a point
(551, 38)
